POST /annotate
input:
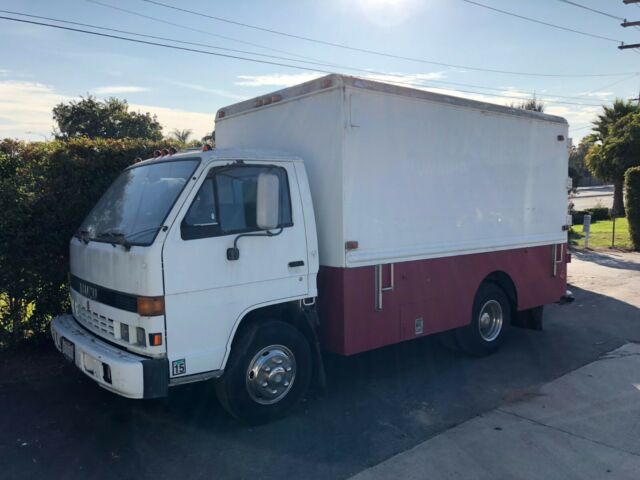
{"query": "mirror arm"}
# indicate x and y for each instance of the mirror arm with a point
(234, 253)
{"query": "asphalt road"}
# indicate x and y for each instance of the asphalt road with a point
(54, 423)
(589, 197)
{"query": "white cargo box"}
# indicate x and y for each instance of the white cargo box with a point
(410, 174)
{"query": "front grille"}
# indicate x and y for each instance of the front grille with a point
(123, 301)
(98, 323)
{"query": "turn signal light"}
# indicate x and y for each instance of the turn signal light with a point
(150, 306)
(155, 339)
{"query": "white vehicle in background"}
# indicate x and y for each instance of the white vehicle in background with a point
(340, 214)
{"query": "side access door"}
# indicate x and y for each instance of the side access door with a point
(207, 291)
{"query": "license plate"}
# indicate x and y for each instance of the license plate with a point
(68, 349)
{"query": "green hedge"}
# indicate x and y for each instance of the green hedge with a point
(632, 187)
(597, 213)
(46, 189)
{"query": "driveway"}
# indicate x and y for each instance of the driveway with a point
(57, 424)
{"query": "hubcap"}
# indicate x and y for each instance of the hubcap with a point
(490, 320)
(271, 374)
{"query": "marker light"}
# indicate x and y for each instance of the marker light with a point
(155, 339)
(150, 306)
(350, 245)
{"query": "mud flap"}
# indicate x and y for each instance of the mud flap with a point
(313, 322)
(531, 318)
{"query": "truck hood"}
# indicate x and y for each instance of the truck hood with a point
(137, 271)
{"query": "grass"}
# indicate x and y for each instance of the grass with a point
(601, 233)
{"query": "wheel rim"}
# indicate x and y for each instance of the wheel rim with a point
(271, 374)
(490, 320)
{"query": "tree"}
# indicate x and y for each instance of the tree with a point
(632, 185)
(93, 118)
(210, 139)
(619, 151)
(611, 115)
(182, 135)
(577, 166)
(533, 104)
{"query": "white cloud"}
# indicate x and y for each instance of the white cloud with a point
(276, 79)
(26, 107)
(405, 79)
(25, 112)
(288, 80)
(115, 89)
(214, 91)
(172, 118)
(596, 94)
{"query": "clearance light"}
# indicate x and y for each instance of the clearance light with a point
(155, 339)
(150, 306)
(350, 245)
(221, 113)
(276, 98)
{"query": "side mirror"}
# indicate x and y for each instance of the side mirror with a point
(268, 201)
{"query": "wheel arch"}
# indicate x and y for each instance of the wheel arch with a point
(290, 312)
(508, 286)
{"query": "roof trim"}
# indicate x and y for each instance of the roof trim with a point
(335, 80)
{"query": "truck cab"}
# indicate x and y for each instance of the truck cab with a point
(180, 253)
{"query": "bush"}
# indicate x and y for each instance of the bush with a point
(632, 186)
(46, 189)
(597, 213)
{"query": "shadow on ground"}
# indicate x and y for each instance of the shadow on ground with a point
(379, 403)
(607, 259)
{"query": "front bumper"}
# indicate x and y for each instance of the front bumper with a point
(112, 368)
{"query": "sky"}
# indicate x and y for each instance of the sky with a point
(41, 67)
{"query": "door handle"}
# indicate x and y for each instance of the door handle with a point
(297, 263)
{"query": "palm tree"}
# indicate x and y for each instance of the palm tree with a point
(611, 115)
(182, 135)
(603, 128)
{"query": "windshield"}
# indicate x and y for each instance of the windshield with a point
(135, 206)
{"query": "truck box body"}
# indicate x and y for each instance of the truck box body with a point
(447, 190)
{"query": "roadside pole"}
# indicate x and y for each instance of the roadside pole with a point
(613, 234)
(586, 229)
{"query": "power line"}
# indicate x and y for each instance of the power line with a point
(375, 52)
(592, 10)
(369, 72)
(175, 47)
(193, 29)
(529, 19)
(236, 57)
(581, 128)
(155, 37)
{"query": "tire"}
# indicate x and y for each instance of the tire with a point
(490, 321)
(273, 353)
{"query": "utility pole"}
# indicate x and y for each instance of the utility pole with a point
(626, 24)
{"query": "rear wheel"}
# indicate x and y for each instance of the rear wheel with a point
(268, 372)
(490, 321)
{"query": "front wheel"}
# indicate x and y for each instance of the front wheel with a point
(490, 321)
(268, 372)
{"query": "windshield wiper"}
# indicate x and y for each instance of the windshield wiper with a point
(118, 238)
(121, 238)
(82, 235)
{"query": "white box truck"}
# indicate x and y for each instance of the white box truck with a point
(340, 215)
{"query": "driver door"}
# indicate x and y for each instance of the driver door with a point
(205, 292)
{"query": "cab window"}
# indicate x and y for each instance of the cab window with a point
(226, 202)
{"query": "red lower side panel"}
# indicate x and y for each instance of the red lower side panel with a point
(440, 291)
